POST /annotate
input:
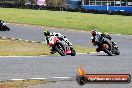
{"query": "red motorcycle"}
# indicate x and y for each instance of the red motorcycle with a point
(60, 46)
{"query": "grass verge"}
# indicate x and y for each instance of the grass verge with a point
(75, 20)
(22, 48)
(21, 84)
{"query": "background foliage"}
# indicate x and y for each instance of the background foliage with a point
(55, 2)
(49, 2)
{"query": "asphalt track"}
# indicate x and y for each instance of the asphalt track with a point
(56, 66)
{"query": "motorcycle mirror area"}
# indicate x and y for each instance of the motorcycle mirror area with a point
(3, 26)
(83, 78)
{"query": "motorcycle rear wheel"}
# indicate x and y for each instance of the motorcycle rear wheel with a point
(73, 52)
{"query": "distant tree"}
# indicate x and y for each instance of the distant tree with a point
(54, 2)
(21, 1)
(32, 2)
(24, 1)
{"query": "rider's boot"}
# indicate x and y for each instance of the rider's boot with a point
(72, 49)
(98, 49)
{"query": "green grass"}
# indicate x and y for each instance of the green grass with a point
(22, 48)
(73, 20)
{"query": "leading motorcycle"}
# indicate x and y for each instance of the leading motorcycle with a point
(60, 46)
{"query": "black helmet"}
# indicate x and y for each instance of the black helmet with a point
(46, 33)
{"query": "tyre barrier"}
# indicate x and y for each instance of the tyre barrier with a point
(53, 8)
(7, 38)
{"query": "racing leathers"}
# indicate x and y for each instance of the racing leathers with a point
(96, 40)
(60, 37)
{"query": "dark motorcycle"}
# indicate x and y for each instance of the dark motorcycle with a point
(108, 46)
(60, 46)
(3, 26)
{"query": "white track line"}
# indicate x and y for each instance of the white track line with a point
(61, 77)
(17, 24)
(25, 25)
(20, 39)
(37, 78)
(46, 55)
(92, 52)
(22, 56)
(56, 78)
(118, 34)
(81, 53)
(16, 79)
(89, 53)
(42, 42)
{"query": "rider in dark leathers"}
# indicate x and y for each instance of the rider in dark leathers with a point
(59, 36)
(96, 38)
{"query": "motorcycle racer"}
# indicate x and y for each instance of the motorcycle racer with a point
(3, 26)
(97, 37)
(59, 36)
(1, 22)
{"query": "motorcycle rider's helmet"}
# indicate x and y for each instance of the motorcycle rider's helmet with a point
(46, 33)
(93, 32)
(105, 33)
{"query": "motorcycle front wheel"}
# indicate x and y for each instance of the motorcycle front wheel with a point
(7, 29)
(59, 48)
(117, 52)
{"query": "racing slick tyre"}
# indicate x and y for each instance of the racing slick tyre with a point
(7, 29)
(59, 48)
(117, 52)
(108, 52)
(73, 52)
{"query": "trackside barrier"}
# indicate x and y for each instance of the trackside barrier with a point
(53, 8)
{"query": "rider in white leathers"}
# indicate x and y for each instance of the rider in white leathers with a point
(59, 36)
